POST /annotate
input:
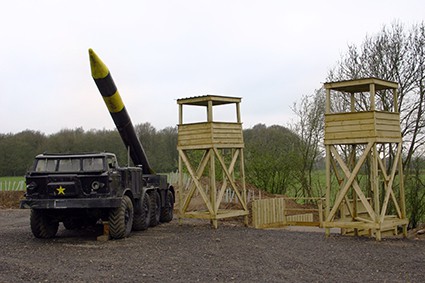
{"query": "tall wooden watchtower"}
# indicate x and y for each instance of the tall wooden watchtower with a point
(211, 152)
(363, 142)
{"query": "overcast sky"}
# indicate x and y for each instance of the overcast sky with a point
(270, 53)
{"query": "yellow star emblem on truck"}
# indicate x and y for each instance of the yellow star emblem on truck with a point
(61, 190)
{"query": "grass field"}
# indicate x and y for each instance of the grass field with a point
(15, 183)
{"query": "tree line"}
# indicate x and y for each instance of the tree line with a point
(271, 152)
(18, 150)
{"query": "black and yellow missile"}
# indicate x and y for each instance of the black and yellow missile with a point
(103, 79)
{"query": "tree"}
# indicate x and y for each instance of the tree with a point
(270, 157)
(415, 195)
(18, 151)
(160, 146)
(309, 127)
(167, 155)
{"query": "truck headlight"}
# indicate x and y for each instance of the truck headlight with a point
(97, 185)
(31, 186)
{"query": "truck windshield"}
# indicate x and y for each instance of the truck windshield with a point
(70, 164)
(46, 165)
(93, 164)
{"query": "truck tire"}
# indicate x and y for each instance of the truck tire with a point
(142, 213)
(121, 219)
(167, 210)
(155, 208)
(42, 225)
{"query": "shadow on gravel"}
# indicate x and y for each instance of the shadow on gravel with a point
(84, 234)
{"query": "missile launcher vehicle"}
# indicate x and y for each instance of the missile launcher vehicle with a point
(81, 189)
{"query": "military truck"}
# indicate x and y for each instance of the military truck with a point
(82, 189)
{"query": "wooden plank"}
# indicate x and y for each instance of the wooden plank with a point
(360, 85)
(351, 135)
(363, 140)
(307, 224)
(350, 128)
(346, 116)
(364, 124)
(231, 213)
(382, 115)
(305, 217)
(203, 100)
(350, 224)
(339, 123)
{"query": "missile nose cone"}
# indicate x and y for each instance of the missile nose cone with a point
(98, 68)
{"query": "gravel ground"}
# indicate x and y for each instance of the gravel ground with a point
(194, 252)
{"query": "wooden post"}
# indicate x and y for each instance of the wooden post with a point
(180, 114)
(180, 190)
(372, 96)
(242, 170)
(213, 192)
(395, 97)
(328, 187)
(180, 164)
(238, 113)
(209, 112)
(352, 103)
(328, 101)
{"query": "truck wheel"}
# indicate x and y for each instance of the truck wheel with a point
(142, 213)
(155, 207)
(121, 219)
(167, 210)
(42, 225)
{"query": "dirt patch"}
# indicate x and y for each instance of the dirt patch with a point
(10, 199)
(194, 252)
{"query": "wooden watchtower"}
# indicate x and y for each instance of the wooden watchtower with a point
(211, 153)
(364, 140)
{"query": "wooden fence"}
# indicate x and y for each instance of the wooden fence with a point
(274, 212)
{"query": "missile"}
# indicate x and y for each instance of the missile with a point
(104, 82)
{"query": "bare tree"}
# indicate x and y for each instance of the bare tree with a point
(309, 127)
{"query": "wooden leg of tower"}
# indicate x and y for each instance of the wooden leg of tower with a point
(213, 191)
(378, 234)
(328, 187)
(180, 190)
(214, 223)
(374, 183)
(242, 170)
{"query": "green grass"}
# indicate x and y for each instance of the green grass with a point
(12, 179)
(10, 183)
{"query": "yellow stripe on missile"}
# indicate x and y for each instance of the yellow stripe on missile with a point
(114, 102)
(98, 68)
